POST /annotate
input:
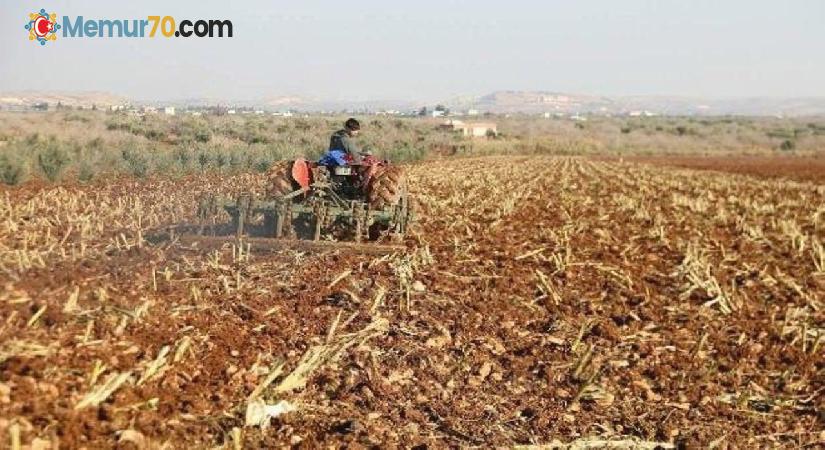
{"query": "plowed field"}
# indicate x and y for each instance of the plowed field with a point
(538, 300)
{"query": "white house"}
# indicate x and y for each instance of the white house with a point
(481, 129)
(471, 129)
(169, 110)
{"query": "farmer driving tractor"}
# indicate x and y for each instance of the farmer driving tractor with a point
(348, 193)
(342, 148)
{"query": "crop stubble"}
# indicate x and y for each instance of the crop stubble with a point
(538, 299)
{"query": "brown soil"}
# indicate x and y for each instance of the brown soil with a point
(578, 299)
(787, 167)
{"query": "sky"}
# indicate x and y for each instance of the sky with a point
(431, 50)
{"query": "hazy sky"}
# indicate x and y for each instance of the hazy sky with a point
(430, 50)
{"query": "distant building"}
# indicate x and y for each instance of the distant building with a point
(150, 110)
(437, 113)
(231, 111)
(471, 129)
(472, 112)
(169, 110)
(481, 129)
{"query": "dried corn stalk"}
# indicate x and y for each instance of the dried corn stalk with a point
(319, 355)
(99, 394)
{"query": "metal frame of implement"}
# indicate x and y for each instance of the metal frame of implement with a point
(323, 208)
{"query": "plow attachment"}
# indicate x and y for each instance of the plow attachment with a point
(317, 219)
(261, 245)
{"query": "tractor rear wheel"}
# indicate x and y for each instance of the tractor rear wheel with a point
(386, 188)
(279, 180)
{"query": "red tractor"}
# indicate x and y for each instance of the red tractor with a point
(364, 201)
(374, 181)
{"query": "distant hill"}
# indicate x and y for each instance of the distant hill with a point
(73, 99)
(291, 102)
(564, 103)
(320, 104)
(533, 102)
(499, 102)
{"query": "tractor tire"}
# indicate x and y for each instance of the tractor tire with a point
(279, 180)
(386, 188)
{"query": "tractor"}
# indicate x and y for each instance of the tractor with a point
(360, 202)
